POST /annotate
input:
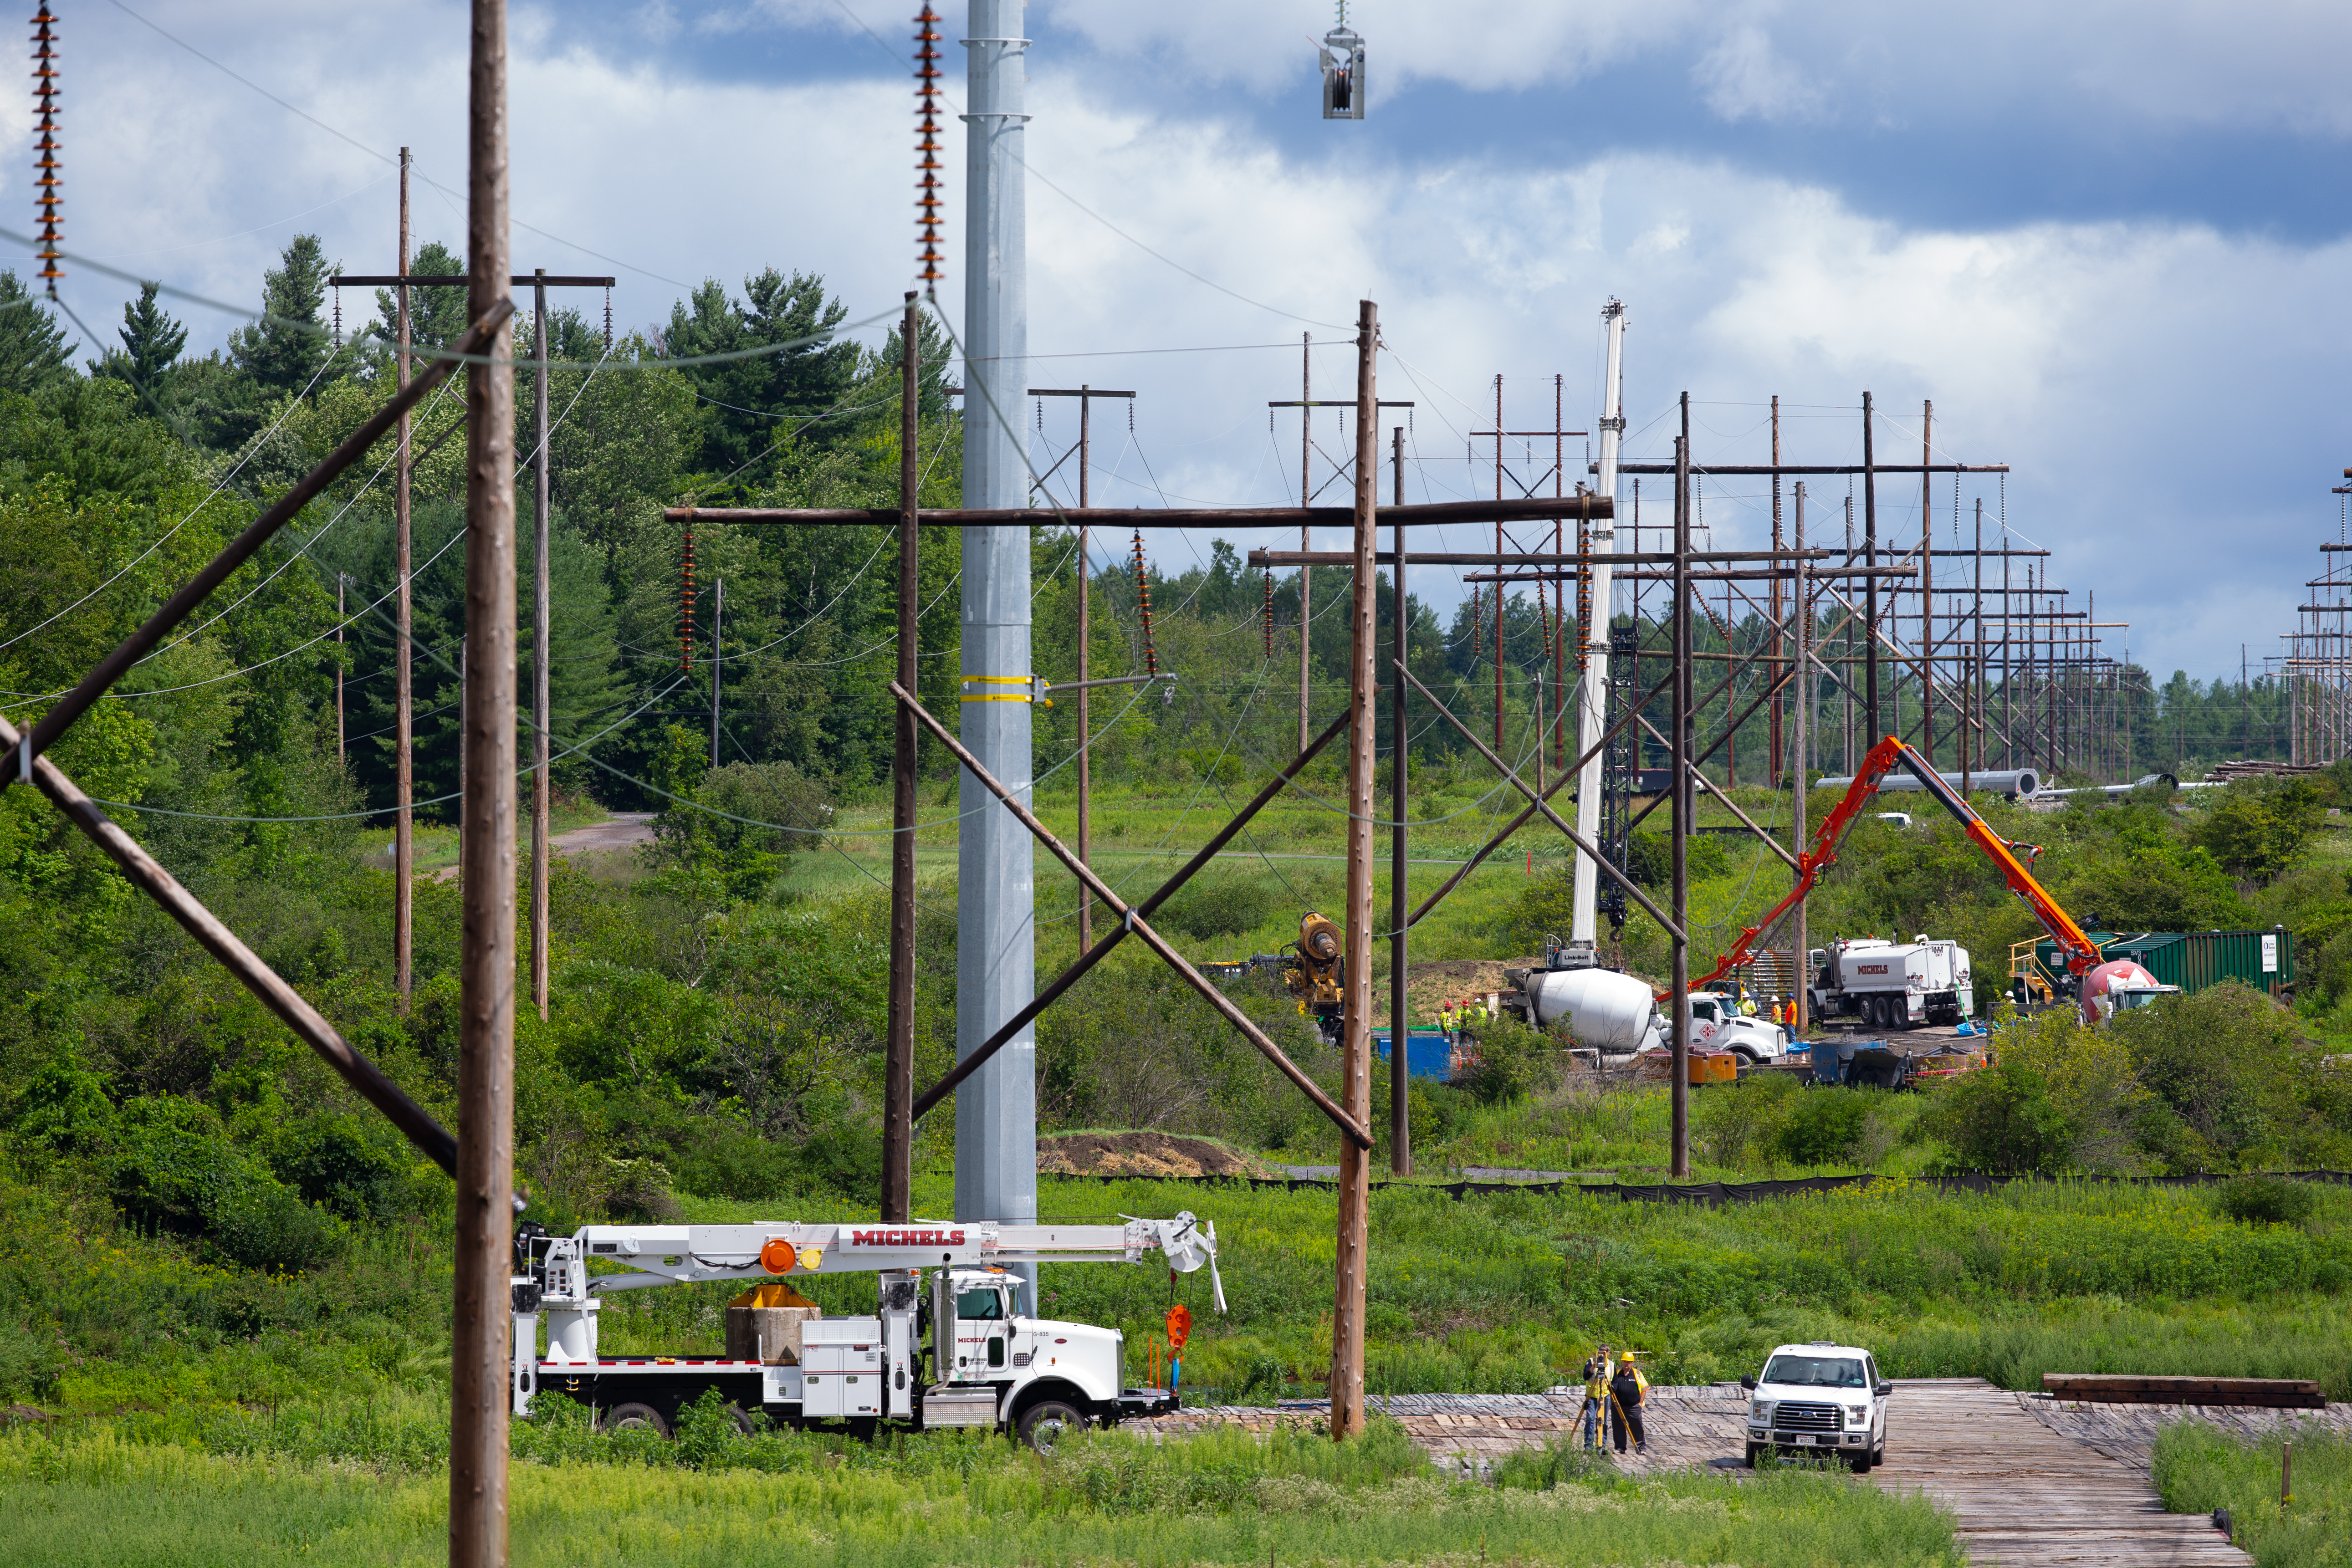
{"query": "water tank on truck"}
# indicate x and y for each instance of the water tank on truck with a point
(1894, 986)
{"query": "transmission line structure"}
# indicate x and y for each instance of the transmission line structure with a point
(404, 783)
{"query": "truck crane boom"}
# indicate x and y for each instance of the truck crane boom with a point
(2082, 953)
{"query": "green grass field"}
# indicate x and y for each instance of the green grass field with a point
(1289, 1498)
(2200, 1469)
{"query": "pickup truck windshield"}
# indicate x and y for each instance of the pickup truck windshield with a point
(1815, 1371)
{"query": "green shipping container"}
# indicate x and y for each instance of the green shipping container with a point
(2194, 960)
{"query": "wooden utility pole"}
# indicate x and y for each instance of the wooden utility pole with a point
(1356, 1014)
(1085, 722)
(1083, 685)
(543, 788)
(1779, 625)
(1399, 1019)
(1305, 532)
(1498, 551)
(480, 1327)
(403, 745)
(898, 1050)
(1800, 954)
(1973, 745)
(1870, 558)
(1559, 585)
(1679, 781)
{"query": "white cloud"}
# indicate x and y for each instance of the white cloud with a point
(1745, 78)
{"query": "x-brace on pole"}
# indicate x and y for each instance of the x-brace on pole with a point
(1131, 919)
(1099, 950)
(414, 1122)
(1540, 804)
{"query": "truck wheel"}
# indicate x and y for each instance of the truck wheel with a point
(1860, 1463)
(1753, 1450)
(635, 1418)
(744, 1422)
(1048, 1424)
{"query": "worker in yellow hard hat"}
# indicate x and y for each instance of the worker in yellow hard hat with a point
(1599, 1369)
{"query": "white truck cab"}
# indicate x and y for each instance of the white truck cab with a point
(1819, 1399)
(1716, 1025)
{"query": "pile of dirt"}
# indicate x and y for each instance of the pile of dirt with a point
(1426, 985)
(1140, 1154)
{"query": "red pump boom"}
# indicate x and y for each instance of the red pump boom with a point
(2082, 953)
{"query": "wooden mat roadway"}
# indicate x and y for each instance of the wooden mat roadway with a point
(2026, 1495)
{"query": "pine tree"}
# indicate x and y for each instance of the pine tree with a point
(33, 348)
(151, 340)
(283, 349)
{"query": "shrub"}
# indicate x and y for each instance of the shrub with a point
(2061, 1096)
(2257, 830)
(173, 1167)
(334, 1163)
(1740, 1118)
(2265, 1200)
(64, 1107)
(2003, 1119)
(1512, 1061)
(1212, 907)
(2226, 1062)
(1824, 1128)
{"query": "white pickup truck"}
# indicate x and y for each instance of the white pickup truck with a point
(1819, 1399)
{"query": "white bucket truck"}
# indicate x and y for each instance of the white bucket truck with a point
(947, 1347)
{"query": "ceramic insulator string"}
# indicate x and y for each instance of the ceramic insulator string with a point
(46, 183)
(1143, 608)
(927, 147)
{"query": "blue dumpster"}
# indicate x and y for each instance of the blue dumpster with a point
(1427, 1053)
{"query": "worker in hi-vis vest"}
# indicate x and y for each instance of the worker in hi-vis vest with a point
(1627, 1389)
(1599, 1368)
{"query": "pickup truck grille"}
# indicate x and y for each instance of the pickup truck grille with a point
(1794, 1417)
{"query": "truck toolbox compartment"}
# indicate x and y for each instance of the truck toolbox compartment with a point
(959, 1407)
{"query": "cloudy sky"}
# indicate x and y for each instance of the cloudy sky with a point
(2108, 240)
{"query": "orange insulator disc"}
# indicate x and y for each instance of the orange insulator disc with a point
(779, 1256)
(1180, 1324)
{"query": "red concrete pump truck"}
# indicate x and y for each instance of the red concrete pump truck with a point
(2082, 954)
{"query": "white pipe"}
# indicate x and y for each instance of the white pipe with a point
(2013, 782)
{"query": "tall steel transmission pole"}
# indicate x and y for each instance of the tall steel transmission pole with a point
(1593, 712)
(996, 1109)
